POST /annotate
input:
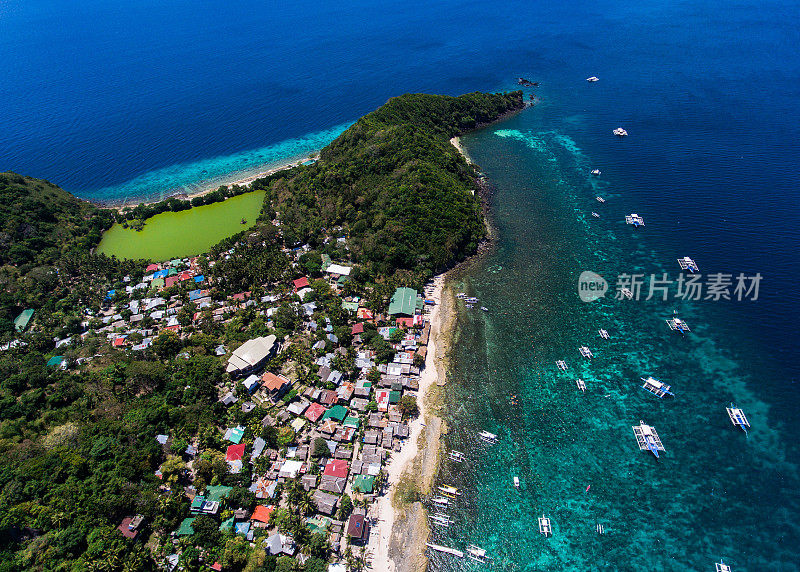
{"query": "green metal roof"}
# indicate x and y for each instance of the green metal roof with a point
(364, 483)
(403, 302)
(337, 412)
(55, 361)
(351, 421)
(185, 529)
(227, 525)
(394, 396)
(21, 321)
(216, 494)
(350, 306)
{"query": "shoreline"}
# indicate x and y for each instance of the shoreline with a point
(384, 538)
(242, 182)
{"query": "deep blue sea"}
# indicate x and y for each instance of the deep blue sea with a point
(127, 101)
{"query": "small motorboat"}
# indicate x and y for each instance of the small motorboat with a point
(595, 215)
(516, 482)
(592, 79)
(620, 132)
(596, 172)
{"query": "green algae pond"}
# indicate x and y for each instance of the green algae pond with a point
(185, 233)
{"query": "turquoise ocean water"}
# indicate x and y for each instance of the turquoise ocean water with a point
(132, 101)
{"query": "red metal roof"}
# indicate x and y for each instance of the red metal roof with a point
(300, 283)
(314, 412)
(336, 468)
(235, 452)
(357, 329)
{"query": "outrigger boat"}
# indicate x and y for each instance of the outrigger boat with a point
(544, 526)
(449, 491)
(626, 293)
(441, 501)
(603, 334)
(441, 520)
(656, 387)
(678, 325)
(562, 365)
(738, 418)
(596, 172)
(600, 199)
(477, 553)
(445, 549)
(600, 528)
(487, 437)
(456, 456)
(721, 566)
(516, 482)
(586, 352)
(687, 263)
(581, 385)
(647, 438)
(595, 215)
(634, 219)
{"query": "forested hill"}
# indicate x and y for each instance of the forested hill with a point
(401, 191)
(40, 221)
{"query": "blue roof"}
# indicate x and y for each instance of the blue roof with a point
(110, 294)
(199, 278)
(242, 527)
(195, 294)
(161, 273)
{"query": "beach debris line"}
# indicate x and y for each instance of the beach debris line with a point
(688, 264)
(737, 417)
(656, 387)
(562, 365)
(634, 219)
(445, 549)
(647, 438)
(545, 527)
(477, 553)
(487, 437)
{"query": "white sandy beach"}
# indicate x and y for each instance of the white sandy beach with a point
(382, 509)
(456, 142)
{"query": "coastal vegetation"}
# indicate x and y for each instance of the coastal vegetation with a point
(115, 399)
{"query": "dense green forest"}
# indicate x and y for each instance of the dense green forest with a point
(78, 444)
(397, 185)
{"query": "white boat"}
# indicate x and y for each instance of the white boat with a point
(647, 438)
(595, 215)
(656, 387)
(449, 491)
(581, 385)
(516, 482)
(562, 365)
(456, 456)
(600, 199)
(441, 501)
(544, 526)
(484, 308)
(634, 219)
(592, 79)
(487, 437)
(596, 172)
(477, 553)
(471, 300)
(688, 264)
(737, 417)
(445, 549)
(620, 132)
(600, 528)
(603, 334)
(626, 293)
(721, 566)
